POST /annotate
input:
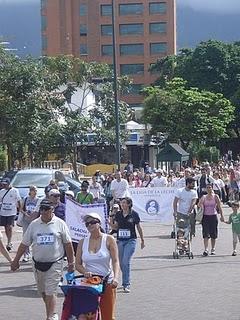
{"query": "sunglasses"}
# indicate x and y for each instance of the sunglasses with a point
(90, 223)
(55, 195)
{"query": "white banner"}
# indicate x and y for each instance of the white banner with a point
(153, 204)
(74, 218)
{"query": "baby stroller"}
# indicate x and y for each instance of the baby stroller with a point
(183, 246)
(82, 298)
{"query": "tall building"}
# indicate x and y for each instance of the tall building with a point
(145, 31)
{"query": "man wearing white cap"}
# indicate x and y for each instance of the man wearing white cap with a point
(159, 180)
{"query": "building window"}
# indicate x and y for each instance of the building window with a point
(135, 88)
(153, 71)
(44, 43)
(132, 49)
(107, 50)
(83, 49)
(83, 10)
(106, 30)
(83, 29)
(135, 105)
(43, 4)
(158, 47)
(127, 69)
(130, 9)
(158, 27)
(43, 23)
(106, 10)
(133, 28)
(157, 7)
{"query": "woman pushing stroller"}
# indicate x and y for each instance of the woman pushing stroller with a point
(98, 255)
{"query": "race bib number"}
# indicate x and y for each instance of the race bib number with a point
(7, 206)
(124, 233)
(45, 239)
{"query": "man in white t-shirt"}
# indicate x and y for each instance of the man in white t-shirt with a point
(183, 205)
(185, 198)
(119, 187)
(159, 180)
(10, 203)
(50, 240)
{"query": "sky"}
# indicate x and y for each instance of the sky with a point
(216, 6)
(220, 6)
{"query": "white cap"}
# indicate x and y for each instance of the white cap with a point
(93, 215)
(52, 192)
(159, 170)
(69, 193)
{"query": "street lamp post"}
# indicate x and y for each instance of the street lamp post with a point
(115, 89)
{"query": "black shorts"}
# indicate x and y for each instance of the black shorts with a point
(7, 221)
(210, 226)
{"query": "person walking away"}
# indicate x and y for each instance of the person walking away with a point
(107, 191)
(10, 204)
(184, 203)
(50, 239)
(30, 213)
(234, 219)
(126, 221)
(211, 206)
(3, 250)
(97, 255)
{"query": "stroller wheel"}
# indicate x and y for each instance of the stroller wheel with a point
(172, 235)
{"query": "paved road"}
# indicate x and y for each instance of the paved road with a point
(162, 288)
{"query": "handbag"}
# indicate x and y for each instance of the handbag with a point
(199, 214)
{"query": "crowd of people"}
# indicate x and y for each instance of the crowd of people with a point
(45, 230)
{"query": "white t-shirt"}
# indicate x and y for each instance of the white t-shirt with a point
(185, 199)
(47, 239)
(9, 202)
(159, 182)
(119, 188)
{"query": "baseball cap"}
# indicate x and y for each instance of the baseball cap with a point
(69, 193)
(45, 204)
(54, 192)
(93, 215)
(5, 181)
(159, 170)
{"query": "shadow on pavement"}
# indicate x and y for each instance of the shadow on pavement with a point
(28, 291)
(21, 270)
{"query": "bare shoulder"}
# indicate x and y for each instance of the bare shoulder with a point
(110, 240)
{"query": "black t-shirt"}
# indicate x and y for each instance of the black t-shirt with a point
(126, 225)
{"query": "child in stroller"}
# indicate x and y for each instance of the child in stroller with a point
(182, 243)
(182, 238)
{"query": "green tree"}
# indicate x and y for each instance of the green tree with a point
(188, 115)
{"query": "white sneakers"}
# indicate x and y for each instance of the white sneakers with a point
(126, 289)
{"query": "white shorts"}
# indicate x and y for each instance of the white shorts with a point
(47, 282)
(236, 237)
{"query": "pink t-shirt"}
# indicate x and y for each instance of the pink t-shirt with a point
(209, 206)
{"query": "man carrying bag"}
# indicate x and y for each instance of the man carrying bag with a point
(50, 239)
